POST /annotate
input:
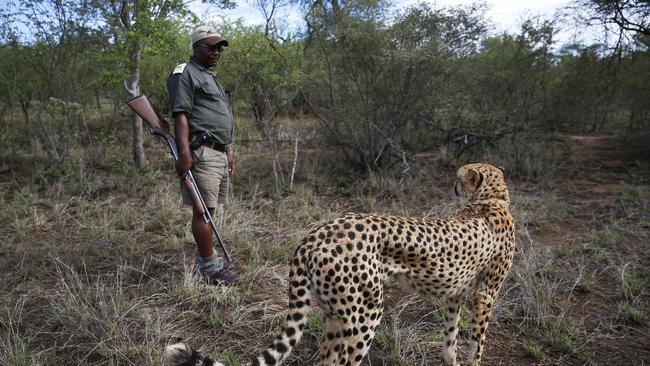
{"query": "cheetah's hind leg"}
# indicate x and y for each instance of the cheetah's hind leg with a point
(347, 342)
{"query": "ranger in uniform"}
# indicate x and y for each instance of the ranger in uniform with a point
(203, 126)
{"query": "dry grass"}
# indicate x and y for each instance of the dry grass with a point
(96, 259)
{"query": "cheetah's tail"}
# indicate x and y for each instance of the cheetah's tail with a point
(182, 355)
(299, 308)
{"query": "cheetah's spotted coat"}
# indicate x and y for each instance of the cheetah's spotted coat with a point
(342, 266)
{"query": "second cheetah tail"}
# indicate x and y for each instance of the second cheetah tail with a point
(299, 308)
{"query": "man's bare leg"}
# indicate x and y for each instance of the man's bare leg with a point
(202, 235)
(211, 266)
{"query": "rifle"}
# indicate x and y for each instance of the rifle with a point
(143, 108)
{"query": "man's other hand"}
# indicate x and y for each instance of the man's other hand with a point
(231, 162)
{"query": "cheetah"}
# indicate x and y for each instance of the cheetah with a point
(343, 264)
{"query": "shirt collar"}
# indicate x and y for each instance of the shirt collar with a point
(201, 67)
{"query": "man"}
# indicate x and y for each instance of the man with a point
(203, 119)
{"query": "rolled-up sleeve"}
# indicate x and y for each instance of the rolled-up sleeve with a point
(180, 92)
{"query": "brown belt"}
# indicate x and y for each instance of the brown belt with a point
(216, 146)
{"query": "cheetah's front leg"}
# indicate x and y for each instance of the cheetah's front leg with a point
(451, 330)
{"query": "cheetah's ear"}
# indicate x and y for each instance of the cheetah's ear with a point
(475, 178)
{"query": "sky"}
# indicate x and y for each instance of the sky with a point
(506, 15)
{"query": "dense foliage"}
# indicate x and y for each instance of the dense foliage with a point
(384, 86)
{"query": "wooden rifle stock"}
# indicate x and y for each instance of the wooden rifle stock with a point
(143, 108)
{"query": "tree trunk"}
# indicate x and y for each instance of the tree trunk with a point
(134, 90)
(134, 47)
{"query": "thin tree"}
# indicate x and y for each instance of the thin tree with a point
(136, 24)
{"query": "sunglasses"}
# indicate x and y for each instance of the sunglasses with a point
(212, 48)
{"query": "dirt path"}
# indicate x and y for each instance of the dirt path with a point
(604, 164)
(600, 168)
(606, 188)
(607, 152)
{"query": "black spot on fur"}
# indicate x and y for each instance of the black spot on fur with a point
(268, 358)
(290, 331)
(281, 347)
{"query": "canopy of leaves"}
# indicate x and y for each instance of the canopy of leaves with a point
(383, 85)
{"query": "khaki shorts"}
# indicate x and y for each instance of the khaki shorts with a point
(210, 171)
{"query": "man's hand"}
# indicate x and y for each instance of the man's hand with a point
(183, 164)
(231, 162)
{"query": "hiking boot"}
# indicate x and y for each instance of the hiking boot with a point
(225, 276)
(217, 272)
(229, 265)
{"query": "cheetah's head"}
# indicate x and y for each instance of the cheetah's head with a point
(480, 181)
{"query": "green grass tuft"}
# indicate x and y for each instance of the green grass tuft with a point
(532, 349)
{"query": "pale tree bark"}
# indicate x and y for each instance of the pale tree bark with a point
(132, 85)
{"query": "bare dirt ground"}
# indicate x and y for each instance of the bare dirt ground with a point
(596, 189)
